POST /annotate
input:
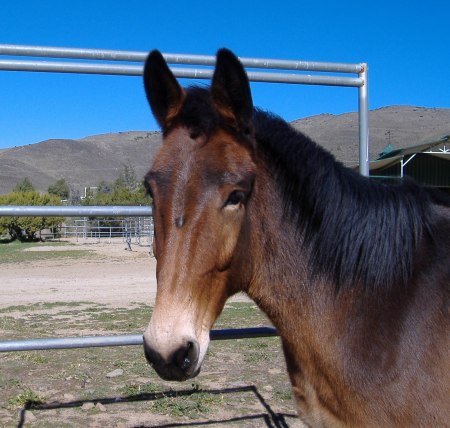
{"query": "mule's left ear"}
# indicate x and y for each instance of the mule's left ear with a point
(164, 94)
(230, 90)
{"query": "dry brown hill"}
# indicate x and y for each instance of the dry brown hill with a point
(87, 161)
(81, 163)
(407, 126)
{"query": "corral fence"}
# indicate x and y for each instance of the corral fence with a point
(132, 230)
(106, 62)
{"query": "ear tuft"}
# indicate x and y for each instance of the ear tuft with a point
(164, 94)
(230, 90)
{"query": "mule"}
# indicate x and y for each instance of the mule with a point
(353, 273)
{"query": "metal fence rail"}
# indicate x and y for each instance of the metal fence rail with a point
(293, 72)
(122, 340)
(97, 57)
(139, 56)
(74, 211)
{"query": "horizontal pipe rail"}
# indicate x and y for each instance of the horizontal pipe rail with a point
(121, 340)
(96, 67)
(181, 72)
(173, 58)
(136, 70)
(74, 211)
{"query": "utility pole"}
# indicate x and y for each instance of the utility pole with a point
(388, 135)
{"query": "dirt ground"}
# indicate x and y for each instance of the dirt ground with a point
(110, 276)
(114, 276)
(125, 277)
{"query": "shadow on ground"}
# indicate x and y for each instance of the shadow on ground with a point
(267, 418)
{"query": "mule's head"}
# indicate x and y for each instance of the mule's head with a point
(201, 182)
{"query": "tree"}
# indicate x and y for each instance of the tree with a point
(27, 228)
(127, 179)
(59, 188)
(120, 196)
(75, 197)
(125, 190)
(24, 185)
(104, 187)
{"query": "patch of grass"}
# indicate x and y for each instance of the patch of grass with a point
(241, 314)
(28, 398)
(27, 257)
(257, 350)
(9, 383)
(133, 391)
(285, 395)
(117, 320)
(189, 405)
(76, 371)
(14, 252)
(35, 357)
(42, 306)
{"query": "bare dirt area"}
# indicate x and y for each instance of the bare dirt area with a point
(84, 288)
(108, 274)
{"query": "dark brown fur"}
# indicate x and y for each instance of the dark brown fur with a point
(354, 274)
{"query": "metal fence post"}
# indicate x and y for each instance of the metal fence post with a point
(364, 123)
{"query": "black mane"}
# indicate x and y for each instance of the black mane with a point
(358, 231)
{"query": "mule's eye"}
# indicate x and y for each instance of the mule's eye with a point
(235, 198)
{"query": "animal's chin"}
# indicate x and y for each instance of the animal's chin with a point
(174, 374)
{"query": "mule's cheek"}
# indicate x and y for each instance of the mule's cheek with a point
(228, 240)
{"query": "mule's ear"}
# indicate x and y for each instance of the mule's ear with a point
(230, 89)
(164, 94)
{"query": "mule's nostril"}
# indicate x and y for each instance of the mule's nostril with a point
(187, 356)
(187, 361)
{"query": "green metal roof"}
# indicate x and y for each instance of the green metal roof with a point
(390, 151)
(431, 168)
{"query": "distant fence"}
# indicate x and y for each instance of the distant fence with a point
(101, 62)
(132, 230)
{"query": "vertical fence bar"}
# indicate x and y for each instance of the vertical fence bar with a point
(363, 123)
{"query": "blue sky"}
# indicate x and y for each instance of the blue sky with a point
(406, 45)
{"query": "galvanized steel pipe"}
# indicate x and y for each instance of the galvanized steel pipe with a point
(197, 73)
(121, 340)
(173, 58)
(181, 72)
(363, 112)
(74, 211)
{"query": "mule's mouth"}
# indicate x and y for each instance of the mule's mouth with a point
(170, 373)
(180, 365)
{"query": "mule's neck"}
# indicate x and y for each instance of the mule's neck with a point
(354, 230)
(334, 338)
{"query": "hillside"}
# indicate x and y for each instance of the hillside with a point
(81, 163)
(87, 161)
(408, 126)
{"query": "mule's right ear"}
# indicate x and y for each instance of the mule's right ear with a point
(164, 93)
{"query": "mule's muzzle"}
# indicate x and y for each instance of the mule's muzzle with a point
(179, 365)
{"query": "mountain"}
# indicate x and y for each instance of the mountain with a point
(87, 161)
(401, 126)
(81, 163)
